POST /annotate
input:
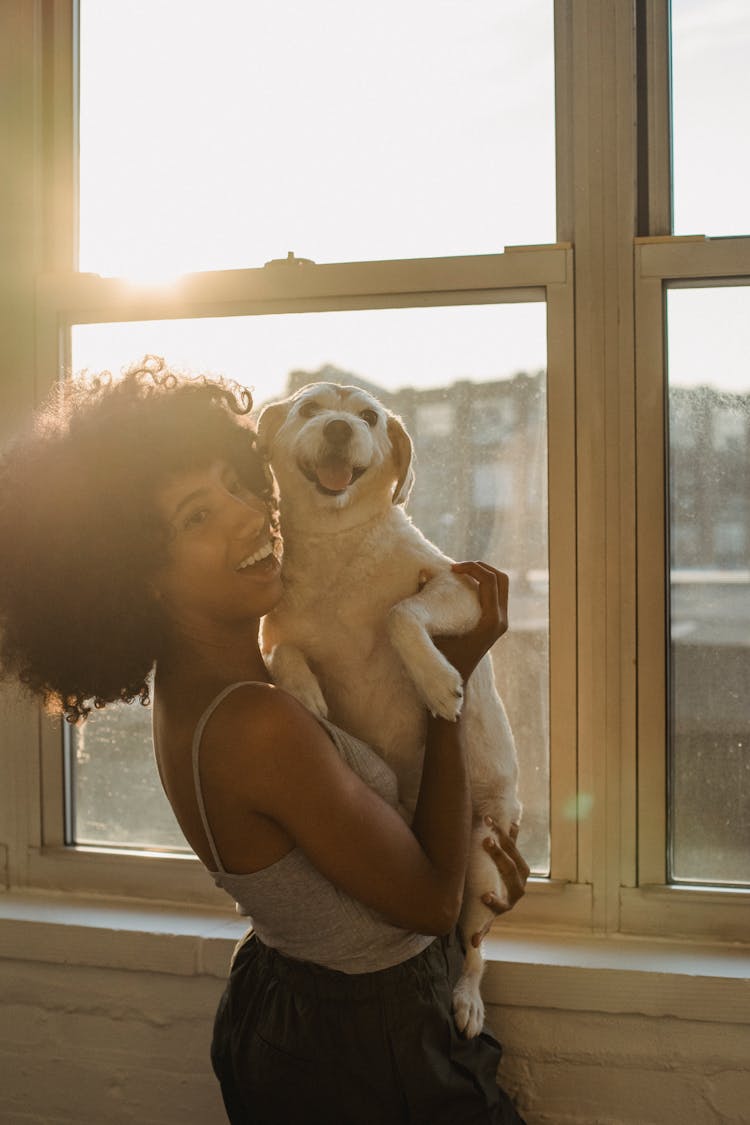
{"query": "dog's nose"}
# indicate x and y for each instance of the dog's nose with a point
(337, 431)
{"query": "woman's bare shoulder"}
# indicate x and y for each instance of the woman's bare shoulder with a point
(260, 720)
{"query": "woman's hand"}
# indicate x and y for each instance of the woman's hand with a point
(513, 868)
(465, 651)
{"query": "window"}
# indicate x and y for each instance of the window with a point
(437, 338)
(342, 131)
(435, 419)
(601, 411)
(691, 302)
(711, 87)
(710, 586)
(408, 357)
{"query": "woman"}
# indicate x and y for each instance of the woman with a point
(154, 542)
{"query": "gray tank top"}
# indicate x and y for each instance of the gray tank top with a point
(295, 909)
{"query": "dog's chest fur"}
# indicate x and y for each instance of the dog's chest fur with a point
(339, 588)
(349, 580)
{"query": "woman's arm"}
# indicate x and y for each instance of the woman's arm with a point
(442, 817)
(285, 766)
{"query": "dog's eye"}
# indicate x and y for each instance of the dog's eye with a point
(369, 416)
(307, 409)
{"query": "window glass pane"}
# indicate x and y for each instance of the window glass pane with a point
(116, 797)
(709, 418)
(222, 135)
(481, 489)
(710, 96)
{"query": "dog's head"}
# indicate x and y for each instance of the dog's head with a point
(334, 447)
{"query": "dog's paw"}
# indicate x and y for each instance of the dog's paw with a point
(311, 697)
(443, 691)
(292, 673)
(436, 680)
(468, 1007)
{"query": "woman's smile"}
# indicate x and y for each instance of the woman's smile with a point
(217, 524)
(263, 564)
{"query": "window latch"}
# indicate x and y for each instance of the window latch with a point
(290, 260)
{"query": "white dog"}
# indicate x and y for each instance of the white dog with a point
(351, 635)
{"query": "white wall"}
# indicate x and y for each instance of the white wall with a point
(588, 1068)
(87, 1045)
(594, 1034)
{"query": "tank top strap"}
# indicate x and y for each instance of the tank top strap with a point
(201, 725)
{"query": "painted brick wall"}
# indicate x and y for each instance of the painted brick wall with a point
(85, 1046)
(90, 1046)
(585, 1068)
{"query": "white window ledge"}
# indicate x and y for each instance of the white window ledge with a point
(77, 930)
(563, 971)
(619, 974)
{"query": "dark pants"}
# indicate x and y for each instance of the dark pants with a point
(295, 1043)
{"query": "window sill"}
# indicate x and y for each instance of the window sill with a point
(619, 974)
(571, 972)
(106, 933)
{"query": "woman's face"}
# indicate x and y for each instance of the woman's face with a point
(224, 561)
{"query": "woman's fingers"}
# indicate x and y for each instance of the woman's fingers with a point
(507, 842)
(513, 868)
(464, 650)
(489, 578)
(492, 590)
(514, 872)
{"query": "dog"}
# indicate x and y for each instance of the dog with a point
(351, 637)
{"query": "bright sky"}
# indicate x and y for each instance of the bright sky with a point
(223, 135)
(340, 131)
(711, 95)
(348, 131)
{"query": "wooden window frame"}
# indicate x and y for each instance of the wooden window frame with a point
(606, 388)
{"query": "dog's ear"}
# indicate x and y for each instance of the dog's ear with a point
(270, 421)
(403, 456)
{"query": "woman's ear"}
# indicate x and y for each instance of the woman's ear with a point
(403, 457)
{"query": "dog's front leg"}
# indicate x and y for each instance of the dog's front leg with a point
(289, 670)
(481, 876)
(445, 605)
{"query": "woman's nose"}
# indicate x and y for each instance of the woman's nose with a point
(248, 515)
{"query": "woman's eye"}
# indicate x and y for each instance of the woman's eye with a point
(199, 516)
(369, 416)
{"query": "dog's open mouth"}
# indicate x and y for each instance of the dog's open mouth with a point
(332, 476)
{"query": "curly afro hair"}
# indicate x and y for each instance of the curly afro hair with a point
(80, 536)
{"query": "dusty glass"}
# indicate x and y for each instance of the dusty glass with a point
(470, 384)
(709, 485)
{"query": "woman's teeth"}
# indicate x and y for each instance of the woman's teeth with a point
(260, 554)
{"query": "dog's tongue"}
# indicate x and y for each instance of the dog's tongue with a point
(335, 475)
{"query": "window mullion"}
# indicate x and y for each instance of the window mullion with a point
(603, 173)
(60, 133)
(562, 605)
(652, 561)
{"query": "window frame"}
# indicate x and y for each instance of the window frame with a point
(542, 274)
(605, 336)
(64, 296)
(649, 905)
(700, 911)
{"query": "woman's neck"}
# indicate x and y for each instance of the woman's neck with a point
(217, 658)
